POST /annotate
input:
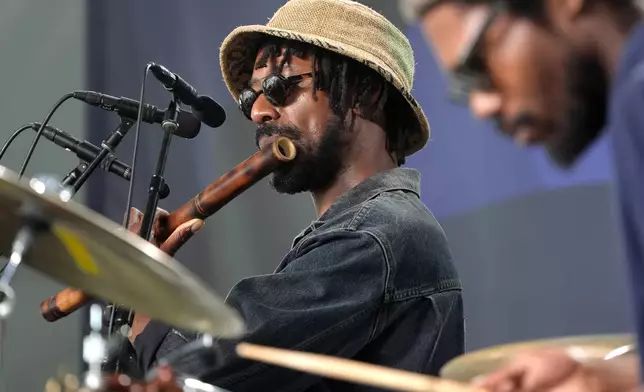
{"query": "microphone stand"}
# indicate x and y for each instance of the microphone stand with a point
(157, 190)
(107, 146)
(170, 125)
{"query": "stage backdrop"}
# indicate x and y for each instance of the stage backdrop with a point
(536, 249)
(42, 58)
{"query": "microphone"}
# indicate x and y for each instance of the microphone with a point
(203, 107)
(189, 126)
(85, 151)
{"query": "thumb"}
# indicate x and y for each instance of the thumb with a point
(181, 235)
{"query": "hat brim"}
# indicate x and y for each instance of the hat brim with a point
(239, 50)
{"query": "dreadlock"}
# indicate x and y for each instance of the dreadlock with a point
(349, 84)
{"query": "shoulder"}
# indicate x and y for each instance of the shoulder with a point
(626, 112)
(416, 247)
(400, 216)
(627, 91)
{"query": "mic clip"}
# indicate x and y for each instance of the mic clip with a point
(170, 121)
(108, 145)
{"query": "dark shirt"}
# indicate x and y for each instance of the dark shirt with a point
(626, 125)
(372, 280)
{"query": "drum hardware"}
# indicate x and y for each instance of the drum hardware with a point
(94, 349)
(32, 222)
(167, 382)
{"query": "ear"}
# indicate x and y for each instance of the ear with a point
(563, 14)
(375, 92)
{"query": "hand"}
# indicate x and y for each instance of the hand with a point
(175, 240)
(170, 246)
(555, 370)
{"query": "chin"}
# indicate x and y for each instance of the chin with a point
(566, 152)
(288, 185)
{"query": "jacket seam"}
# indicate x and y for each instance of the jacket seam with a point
(442, 286)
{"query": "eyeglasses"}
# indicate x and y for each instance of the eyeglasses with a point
(275, 87)
(470, 72)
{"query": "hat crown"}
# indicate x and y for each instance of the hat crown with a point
(351, 24)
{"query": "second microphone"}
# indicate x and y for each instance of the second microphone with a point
(85, 150)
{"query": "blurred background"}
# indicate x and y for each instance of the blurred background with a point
(536, 247)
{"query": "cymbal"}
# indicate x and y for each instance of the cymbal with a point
(89, 252)
(481, 362)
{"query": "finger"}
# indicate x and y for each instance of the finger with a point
(505, 379)
(135, 221)
(136, 216)
(160, 222)
(161, 212)
(180, 236)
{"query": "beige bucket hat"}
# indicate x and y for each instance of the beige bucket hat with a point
(341, 26)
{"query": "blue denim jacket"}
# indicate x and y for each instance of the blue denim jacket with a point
(372, 280)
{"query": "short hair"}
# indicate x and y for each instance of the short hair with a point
(348, 84)
(414, 10)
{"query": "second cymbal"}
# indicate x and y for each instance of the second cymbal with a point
(481, 362)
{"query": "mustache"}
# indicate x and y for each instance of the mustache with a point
(508, 125)
(267, 130)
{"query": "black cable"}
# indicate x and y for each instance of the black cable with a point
(137, 133)
(40, 130)
(14, 136)
(128, 206)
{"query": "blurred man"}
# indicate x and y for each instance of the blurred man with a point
(554, 73)
(372, 277)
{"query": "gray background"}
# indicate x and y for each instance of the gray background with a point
(42, 57)
(534, 264)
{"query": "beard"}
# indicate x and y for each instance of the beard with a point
(587, 86)
(316, 166)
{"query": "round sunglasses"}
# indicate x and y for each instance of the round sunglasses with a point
(275, 87)
(470, 72)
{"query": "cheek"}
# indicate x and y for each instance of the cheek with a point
(310, 116)
(528, 69)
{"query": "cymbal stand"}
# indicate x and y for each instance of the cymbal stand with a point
(94, 349)
(34, 222)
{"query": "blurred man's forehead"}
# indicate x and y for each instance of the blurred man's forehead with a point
(451, 26)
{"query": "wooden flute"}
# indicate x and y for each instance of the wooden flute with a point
(204, 204)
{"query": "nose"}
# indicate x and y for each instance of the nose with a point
(263, 112)
(485, 104)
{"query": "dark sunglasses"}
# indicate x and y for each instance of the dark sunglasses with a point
(470, 72)
(275, 87)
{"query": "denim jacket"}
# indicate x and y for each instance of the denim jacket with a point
(371, 280)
